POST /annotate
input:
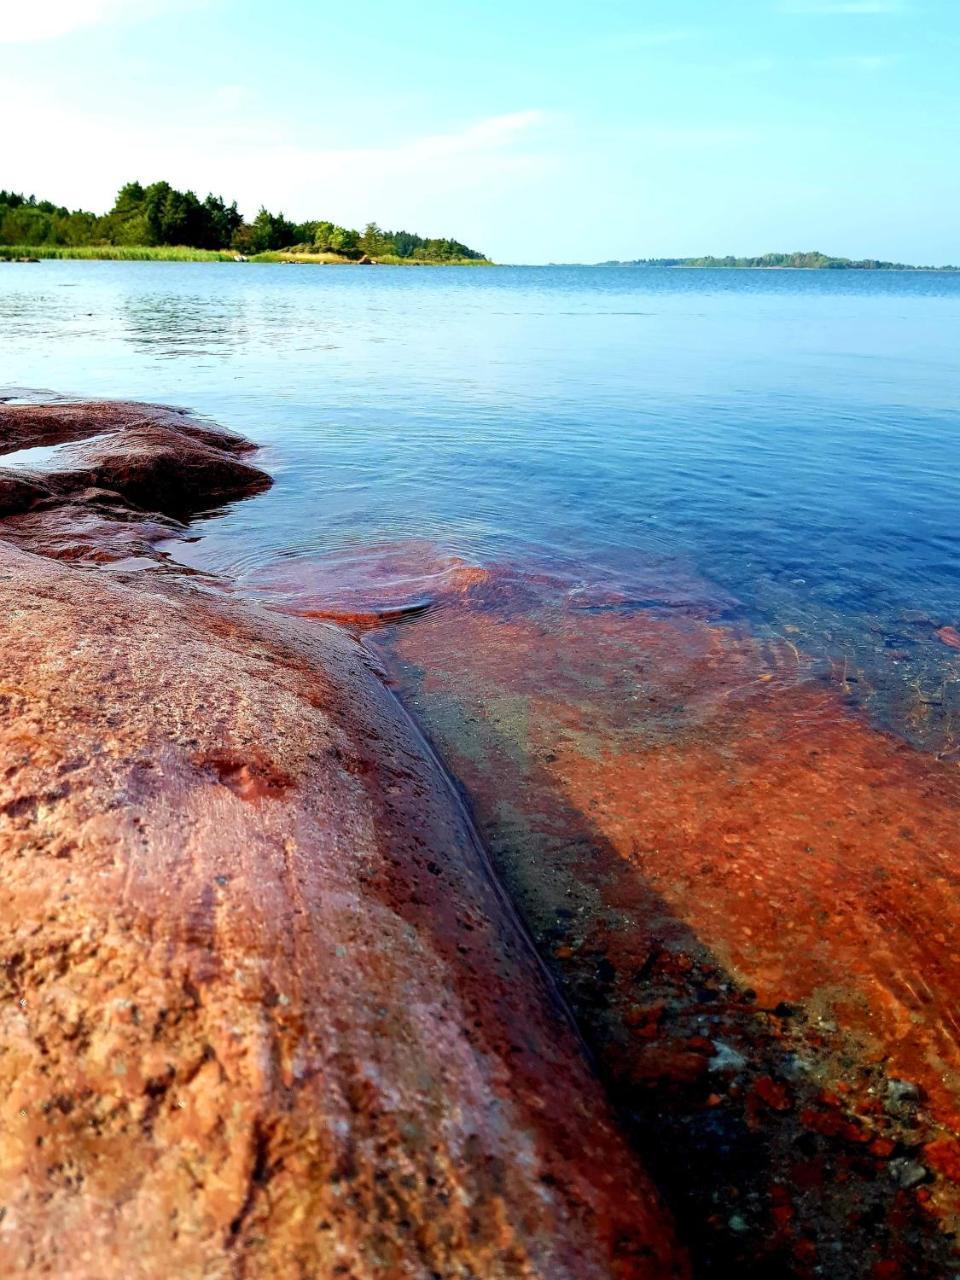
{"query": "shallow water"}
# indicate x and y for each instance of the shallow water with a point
(675, 555)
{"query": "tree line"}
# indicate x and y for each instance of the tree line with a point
(159, 214)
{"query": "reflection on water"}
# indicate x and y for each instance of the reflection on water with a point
(45, 457)
(192, 328)
(667, 565)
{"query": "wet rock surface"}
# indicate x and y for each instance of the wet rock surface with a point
(265, 1011)
(116, 479)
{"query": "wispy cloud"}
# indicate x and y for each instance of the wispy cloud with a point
(655, 38)
(750, 65)
(487, 152)
(53, 18)
(692, 137)
(863, 8)
(248, 154)
(494, 131)
(859, 62)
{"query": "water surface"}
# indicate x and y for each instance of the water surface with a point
(789, 436)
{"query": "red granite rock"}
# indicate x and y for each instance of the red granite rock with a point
(265, 1012)
(136, 456)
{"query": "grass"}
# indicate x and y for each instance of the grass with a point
(386, 259)
(280, 256)
(390, 260)
(120, 252)
(180, 253)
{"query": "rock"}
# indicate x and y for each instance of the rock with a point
(944, 1155)
(53, 421)
(265, 1011)
(364, 588)
(152, 458)
(903, 1093)
(726, 1058)
(20, 491)
(124, 477)
(907, 1173)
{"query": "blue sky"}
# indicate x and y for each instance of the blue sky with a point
(537, 131)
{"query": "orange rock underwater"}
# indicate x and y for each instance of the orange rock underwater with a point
(750, 897)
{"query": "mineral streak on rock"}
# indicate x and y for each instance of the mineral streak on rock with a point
(751, 898)
(265, 1011)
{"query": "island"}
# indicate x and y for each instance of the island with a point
(160, 222)
(810, 260)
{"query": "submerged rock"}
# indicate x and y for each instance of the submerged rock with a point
(751, 898)
(266, 1012)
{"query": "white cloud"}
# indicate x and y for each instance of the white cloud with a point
(52, 18)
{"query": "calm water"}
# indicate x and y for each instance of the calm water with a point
(789, 437)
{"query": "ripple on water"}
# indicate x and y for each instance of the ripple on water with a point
(363, 586)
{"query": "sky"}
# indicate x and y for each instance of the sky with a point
(535, 130)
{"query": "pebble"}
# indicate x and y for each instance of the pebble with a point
(726, 1059)
(902, 1091)
(907, 1173)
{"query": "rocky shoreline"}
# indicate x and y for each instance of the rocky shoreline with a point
(266, 1011)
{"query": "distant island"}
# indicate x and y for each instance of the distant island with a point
(812, 261)
(160, 222)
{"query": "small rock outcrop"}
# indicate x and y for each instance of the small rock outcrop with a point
(265, 1010)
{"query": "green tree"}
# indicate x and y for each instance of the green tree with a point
(373, 241)
(222, 222)
(268, 231)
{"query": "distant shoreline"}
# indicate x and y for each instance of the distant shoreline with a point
(689, 266)
(811, 260)
(183, 253)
